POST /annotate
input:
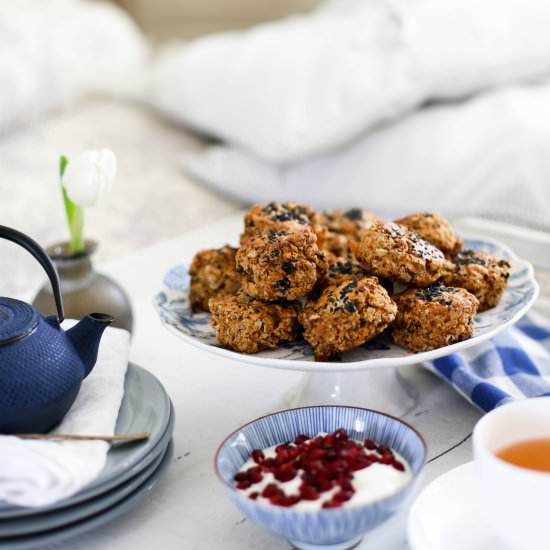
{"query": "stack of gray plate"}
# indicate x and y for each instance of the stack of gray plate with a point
(130, 473)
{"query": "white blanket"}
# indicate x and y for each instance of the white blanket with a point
(489, 155)
(37, 473)
(53, 52)
(305, 85)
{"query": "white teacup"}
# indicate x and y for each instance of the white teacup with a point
(515, 500)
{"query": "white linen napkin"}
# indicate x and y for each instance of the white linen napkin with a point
(38, 473)
(488, 156)
(307, 84)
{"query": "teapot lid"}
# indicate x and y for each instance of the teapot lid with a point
(17, 320)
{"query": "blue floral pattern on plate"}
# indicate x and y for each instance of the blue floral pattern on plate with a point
(172, 304)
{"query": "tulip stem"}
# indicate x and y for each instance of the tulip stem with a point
(75, 215)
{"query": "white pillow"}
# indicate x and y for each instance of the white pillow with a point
(54, 51)
(489, 155)
(304, 85)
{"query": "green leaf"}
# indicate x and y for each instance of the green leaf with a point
(63, 161)
(75, 214)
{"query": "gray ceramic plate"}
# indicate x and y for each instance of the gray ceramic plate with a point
(105, 516)
(28, 525)
(145, 407)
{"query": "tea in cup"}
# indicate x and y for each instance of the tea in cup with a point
(512, 458)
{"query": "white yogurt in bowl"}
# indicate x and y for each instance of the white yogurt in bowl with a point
(325, 471)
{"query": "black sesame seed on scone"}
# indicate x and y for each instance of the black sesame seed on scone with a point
(433, 317)
(247, 325)
(484, 275)
(435, 229)
(280, 264)
(276, 216)
(393, 252)
(346, 316)
(343, 227)
(213, 273)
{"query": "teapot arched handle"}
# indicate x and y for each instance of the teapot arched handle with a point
(38, 252)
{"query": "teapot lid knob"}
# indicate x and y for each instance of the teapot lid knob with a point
(17, 320)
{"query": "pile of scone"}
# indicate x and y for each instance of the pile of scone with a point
(341, 278)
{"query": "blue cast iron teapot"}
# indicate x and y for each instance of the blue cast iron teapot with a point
(41, 365)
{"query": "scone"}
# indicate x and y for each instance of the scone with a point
(435, 229)
(343, 228)
(280, 265)
(247, 325)
(342, 268)
(482, 274)
(346, 316)
(213, 272)
(276, 216)
(433, 317)
(393, 252)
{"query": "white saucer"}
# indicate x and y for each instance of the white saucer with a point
(447, 515)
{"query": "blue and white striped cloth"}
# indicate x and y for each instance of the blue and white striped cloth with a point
(513, 365)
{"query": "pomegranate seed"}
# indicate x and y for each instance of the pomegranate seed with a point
(332, 504)
(341, 435)
(322, 476)
(385, 451)
(349, 454)
(337, 467)
(331, 455)
(282, 457)
(269, 463)
(342, 496)
(317, 442)
(290, 501)
(270, 490)
(284, 475)
(293, 452)
(277, 498)
(398, 466)
(346, 486)
(322, 463)
(325, 486)
(257, 456)
(286, 467)
(343, 477)
(309, 493)
(316, 454)
(314, 467)
(254, 474)
(360, 464)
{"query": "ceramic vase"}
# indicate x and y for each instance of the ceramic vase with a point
(83, 289)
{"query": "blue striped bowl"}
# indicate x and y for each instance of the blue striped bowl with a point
(335, 528)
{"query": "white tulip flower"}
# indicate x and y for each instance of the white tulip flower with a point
(90, 176)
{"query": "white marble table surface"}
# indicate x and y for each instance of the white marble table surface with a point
(213, 396)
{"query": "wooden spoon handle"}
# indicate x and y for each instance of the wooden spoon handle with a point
(72, 437)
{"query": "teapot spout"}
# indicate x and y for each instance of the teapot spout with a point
(86, 335)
